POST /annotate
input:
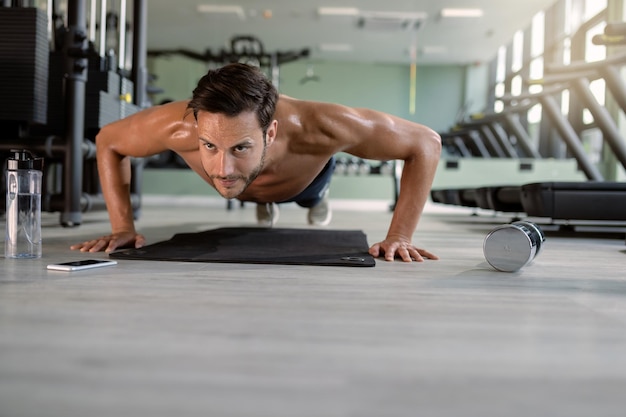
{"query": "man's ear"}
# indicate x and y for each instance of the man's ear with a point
(271, 133)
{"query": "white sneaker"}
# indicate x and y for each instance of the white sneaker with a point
(267, 214)
(320, 214)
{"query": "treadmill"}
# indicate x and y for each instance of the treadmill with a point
(488, 136)
(595, 199)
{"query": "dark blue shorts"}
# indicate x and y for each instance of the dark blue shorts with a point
(314, 193)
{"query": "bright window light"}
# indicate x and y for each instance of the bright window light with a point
(338, 11)
(335, 47)
(452, 12)
(222, 9)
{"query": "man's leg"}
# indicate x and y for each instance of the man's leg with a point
(315, 197)
(321, 214)
(267, 214)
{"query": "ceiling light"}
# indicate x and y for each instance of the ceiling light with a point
(452, 12)
(338, 11)
(394, 15)
(433, 50)
(335, 47)
(391, 20)
(222, 9)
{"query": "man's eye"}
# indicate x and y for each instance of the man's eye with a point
(241, 148)
(209, 146)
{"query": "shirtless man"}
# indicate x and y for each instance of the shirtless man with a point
(251, 144)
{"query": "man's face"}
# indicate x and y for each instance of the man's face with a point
(232, 150)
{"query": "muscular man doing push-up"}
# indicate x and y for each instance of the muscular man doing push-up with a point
(252, 144)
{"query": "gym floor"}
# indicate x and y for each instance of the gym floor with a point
(441, 338)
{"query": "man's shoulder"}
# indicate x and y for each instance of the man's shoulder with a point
(287, 101)
(309, 110)
(172, 112)
(174, 106)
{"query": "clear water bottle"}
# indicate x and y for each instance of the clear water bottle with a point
(23, 205)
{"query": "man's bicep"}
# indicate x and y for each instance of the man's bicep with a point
(132, 137)
(383, 146)
(402, 141)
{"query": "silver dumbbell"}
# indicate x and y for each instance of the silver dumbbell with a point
(510, 247)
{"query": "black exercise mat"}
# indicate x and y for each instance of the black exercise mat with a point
(260, 246)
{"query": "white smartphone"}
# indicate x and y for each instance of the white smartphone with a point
(82, 264)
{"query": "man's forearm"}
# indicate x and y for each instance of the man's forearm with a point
(114, 171)
(415, 184)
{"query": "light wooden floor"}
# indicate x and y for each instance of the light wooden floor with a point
(443, 338)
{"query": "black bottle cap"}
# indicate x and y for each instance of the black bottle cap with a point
(23, 159)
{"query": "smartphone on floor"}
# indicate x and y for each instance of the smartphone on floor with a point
(81, 265)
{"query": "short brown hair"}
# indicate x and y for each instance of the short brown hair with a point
(233, 89)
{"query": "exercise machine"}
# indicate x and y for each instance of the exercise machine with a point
(77, 90)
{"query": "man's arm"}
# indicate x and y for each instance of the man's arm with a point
(384, 137)
(115, 176)
(143, 134)
(417, 177)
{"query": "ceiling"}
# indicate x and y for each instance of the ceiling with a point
(392, 31)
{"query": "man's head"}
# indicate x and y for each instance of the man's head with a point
(234, 108)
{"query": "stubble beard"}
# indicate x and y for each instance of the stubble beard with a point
(247, 179)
